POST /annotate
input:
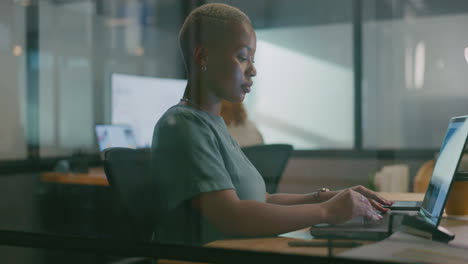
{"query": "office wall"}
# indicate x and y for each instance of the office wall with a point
(303, 175)
(12, 82)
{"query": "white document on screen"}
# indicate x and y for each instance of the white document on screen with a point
(139, 101)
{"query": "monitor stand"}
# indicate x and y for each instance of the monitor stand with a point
(416, 226)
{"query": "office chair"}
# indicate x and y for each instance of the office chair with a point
(128, 173)
(270, 161)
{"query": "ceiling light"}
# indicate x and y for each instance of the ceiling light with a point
(466, 54)
(17, 50)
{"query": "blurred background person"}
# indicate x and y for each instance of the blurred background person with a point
(242, 129)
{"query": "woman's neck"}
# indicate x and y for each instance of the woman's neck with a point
(201, 98)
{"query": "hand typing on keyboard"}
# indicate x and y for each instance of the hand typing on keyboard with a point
(349, 204)
(368, 222)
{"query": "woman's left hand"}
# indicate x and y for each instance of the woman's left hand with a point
(375, 199)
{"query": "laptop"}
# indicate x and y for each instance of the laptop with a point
(433, 204)
(404, 205)
(110, 136)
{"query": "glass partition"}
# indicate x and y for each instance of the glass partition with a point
(13, 138)
(103, 62)
(414, 72)
(81, 45)
(303, 92)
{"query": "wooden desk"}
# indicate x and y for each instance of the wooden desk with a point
(280, 244)
(95, 176)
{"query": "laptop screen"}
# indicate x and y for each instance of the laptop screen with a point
(444, 171)
(109, 136)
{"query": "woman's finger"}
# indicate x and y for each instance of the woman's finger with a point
(378, 206)
(360, 205)
(380, 199)
(369, 211)
(372, 195)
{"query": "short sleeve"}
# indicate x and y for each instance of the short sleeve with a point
(186, 158)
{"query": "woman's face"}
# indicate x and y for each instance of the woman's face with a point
(230, 64)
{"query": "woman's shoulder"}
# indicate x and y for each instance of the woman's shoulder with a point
(183, 125)
(181, 115)
(178, 112)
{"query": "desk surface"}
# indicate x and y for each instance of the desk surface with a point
(95, 176)
(280, 244)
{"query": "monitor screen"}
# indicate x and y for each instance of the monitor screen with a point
(140, 101)
(110, 136)
(444, 171)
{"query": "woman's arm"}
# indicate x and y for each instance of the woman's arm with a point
(233, 216)
(293, 199)
(319, 197)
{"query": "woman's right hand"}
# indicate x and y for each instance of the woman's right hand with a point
(346, 205)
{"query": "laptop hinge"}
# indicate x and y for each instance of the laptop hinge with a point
(416, 226)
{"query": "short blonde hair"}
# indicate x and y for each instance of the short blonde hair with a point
(205, 25)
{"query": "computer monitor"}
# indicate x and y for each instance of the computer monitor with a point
(110, 136)
(140, 101)
(444, 172)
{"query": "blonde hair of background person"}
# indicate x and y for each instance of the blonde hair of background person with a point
(206, 183)
(240, 127)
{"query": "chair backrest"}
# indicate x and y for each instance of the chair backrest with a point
(128, 172)
(270, 161)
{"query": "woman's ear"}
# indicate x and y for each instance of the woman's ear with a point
(201, 56)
